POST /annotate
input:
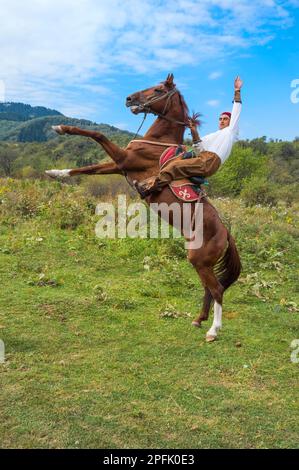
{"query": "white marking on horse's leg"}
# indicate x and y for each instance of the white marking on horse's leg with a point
(58, 173)
(218, 315)
(58, 129)
(217, 322)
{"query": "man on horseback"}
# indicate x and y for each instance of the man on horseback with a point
(208, 152)
(216, 261)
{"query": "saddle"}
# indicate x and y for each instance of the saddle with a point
(186, 189)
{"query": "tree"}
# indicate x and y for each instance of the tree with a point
(8, 156)
(242, 164)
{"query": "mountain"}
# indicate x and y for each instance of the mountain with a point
(24, 112)
(24, 123)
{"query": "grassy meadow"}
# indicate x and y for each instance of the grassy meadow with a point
(100, 351)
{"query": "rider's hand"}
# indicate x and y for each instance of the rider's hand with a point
(238, 83)
(191, 124)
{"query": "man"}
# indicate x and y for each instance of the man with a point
(208, 152)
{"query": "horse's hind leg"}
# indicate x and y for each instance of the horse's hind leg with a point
(211, 282)
(204, 315)
(217, 323)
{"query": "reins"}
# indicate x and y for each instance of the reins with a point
(144, 118)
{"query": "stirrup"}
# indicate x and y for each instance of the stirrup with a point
(142, 192)
(146, 191)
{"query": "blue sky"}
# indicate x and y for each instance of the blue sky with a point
(83, 58)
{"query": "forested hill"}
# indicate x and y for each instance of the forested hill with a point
(23, 123)
(24, 112)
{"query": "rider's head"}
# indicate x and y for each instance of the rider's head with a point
(224, 119)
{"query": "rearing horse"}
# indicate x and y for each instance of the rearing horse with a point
(217, 261)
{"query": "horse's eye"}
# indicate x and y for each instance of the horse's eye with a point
(158, 90)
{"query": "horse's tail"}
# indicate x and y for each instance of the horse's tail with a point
(229, 266)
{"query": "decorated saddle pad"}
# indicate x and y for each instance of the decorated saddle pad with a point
(183, 189)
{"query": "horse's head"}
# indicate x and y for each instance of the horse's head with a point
(153, 100)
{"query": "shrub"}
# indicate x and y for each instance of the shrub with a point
(289, 193)
(28, 172)
(259, 190)
(68, 210)
(24, 202)
(243, 163)
(108, 185)
(63, 205)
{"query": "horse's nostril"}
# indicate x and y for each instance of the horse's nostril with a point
(129, 101)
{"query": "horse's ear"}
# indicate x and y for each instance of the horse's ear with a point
(169, 81)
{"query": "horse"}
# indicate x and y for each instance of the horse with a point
(217, 260)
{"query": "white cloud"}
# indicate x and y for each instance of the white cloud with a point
(215, 75)
(99, 89)
(213, 103)
(2, 91)
(51, 48)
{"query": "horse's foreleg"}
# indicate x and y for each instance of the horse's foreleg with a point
(107, 168)
(116, 153)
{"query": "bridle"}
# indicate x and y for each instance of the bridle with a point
(154, 99)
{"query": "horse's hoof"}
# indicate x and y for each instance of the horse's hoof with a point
(58, 129)
(210, 338)
(196, 324)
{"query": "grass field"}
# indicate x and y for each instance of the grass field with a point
(100, 351)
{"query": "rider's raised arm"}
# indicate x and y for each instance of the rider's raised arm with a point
(235, 117)
(237, 106)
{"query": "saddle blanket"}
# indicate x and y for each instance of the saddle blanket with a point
(183, 189)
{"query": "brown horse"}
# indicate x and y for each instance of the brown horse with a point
(217, 261)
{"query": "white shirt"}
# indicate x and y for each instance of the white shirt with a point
(221, 142)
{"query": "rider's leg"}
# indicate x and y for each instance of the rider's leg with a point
(205, 164)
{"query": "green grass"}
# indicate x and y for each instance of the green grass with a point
(90, 361)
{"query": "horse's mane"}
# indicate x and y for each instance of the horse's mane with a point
(194, 117)
(186, 116)
(184, 106)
